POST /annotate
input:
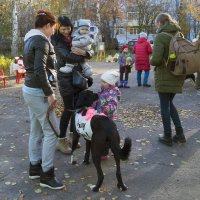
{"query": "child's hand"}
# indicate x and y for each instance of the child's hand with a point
(106, 109)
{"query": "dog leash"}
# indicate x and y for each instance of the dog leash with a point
(70, 110)
(77, 110)
(51, 125)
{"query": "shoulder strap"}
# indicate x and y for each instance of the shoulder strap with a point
(177, 34)
(170, 35)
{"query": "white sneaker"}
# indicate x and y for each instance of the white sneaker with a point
(198, 92)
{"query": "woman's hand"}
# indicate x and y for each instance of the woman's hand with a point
(52, 102)
(90, 81)
(78, 51)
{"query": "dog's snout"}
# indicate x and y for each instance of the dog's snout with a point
(96, 96)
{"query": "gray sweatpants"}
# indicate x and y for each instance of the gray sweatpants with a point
(42, 139)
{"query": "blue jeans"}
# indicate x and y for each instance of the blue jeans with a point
(168, 112)
(146, 76)
(42, 139)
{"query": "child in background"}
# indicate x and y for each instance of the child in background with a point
(83, 40)
(109, 96)
(125, 61)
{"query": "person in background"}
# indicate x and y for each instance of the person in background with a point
(20, 71)
(83, 40)
(109, 97)
(197, 44)
(125, 61)
(62, 42)
(167, 85)
(142, 50)
(39, 96)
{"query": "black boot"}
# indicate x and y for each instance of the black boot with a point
(47, 179)
(179, 137)
(146, 85)
(166, 139)
(34, 171)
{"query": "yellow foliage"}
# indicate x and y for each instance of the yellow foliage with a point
(5, 63)
(193, 8)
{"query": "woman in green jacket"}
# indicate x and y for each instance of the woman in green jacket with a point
(166, 84)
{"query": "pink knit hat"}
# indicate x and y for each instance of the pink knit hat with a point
(125, 46)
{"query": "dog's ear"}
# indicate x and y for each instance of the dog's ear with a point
(96, 96)
(80, 100)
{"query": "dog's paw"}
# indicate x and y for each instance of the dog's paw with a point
(122, 187)
(85, 162)
(95, 189)
(74, 162)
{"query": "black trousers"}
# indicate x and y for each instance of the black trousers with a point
(168, 112)
(122, 76)
(69, 102)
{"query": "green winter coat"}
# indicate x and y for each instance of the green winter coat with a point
(165, 81)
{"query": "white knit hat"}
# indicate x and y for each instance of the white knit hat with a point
(143, 35)
(111, 77)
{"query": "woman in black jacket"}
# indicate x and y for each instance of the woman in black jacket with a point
(61, 41)
(38, 94)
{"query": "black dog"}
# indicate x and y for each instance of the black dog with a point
(104, 135)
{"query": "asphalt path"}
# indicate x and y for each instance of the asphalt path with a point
(153, 171)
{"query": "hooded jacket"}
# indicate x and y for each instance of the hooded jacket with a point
(38, 55)
(142, 49)
(165, 81)
(63, 56)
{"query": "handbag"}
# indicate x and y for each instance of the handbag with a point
(52, 76)
(79, 81)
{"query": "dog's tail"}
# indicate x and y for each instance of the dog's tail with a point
(126, 149)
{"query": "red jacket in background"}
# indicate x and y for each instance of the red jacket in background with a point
(142, 49)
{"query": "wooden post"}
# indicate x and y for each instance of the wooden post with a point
(101, 53)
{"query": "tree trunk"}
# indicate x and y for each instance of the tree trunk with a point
(14, 47)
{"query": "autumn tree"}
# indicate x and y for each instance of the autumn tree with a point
(17, 17)
(109, 12)
(147, 10)
(6, 25)
(193, 10)
(183, 18)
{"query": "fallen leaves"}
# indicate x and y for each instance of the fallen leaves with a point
(72, 181)
(38, 190)
(144, 115)
(10, 183)
(136, 115)
(66, 175)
